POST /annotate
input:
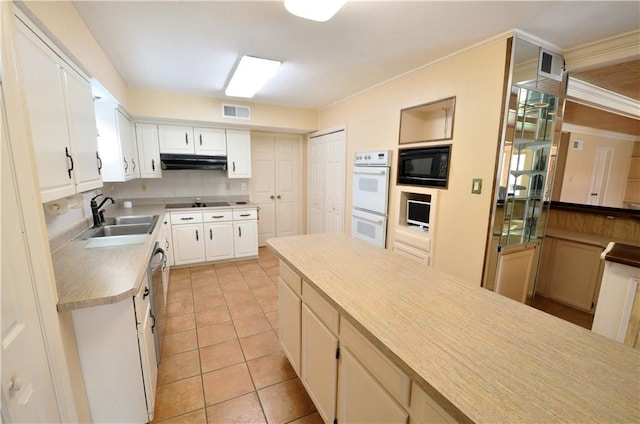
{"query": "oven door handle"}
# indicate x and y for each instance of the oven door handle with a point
(370, 171)
(373, 221)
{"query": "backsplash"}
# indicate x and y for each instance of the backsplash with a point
(58, 224)
(182, 183)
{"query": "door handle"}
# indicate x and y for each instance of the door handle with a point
(272, 197)
(201, 139)
(197, 236)
(239, 231)
(66, 152)
(278, 197)
(186, 139)
(126, 164)
(210, 234)
(99, 163)
(153, 164)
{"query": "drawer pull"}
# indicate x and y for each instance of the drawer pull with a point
(197, 236)
(218, 216)
(210, 234)
(186, 219)
(245, 214)
(145, 293)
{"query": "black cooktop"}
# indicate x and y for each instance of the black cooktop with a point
(196, 205)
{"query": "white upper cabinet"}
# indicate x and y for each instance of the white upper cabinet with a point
(116, 143)
(61, 118)
(148, 150)
(210, 141)
(239, 153)
(176, 139)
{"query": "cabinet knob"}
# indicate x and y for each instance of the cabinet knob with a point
(15, 384)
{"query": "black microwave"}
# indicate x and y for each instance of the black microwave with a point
(424, 166)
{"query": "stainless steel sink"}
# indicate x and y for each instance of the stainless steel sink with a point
(122, 227)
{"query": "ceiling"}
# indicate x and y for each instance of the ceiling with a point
(192, 46)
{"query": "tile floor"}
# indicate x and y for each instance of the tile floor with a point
(567, 313)
(221, 359)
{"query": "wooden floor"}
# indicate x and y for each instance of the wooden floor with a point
(567, 313)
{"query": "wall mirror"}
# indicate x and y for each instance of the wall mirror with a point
(427, 122)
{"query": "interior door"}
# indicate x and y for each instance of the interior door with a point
(599, 175)
(263, 184)
(287, 185)
(334, 185)
(317, 147)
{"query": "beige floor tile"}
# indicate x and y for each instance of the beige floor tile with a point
(260, 345)
(226, 383)
(201, 270)
(206, 290)
(274, 278)
(183, 295)
(244, 310)
(177, 285)
(229, 268)
(234, 286)
(238, 297)
(224, 265)
(254, 273)
(178, 398)
(179, 342)
(268, 262)
(230, 277)
(314, 418)
(204, 281)
(258, 282)
(269, 291)
(215, 334)
(286, 401)
(180, 273)
(248, 264)
(179, 308)
(212, 316)
(202, 303)
(196, 417)
(244, 409)
(273, 271)
(274, 320)
(220, 355)
(271, 369)
(251, 325)
(178, 323)
(268, 304)
(178, 367)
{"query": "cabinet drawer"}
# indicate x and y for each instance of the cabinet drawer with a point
(186, 217)
(243, 214)
(386, 372)
(323, 310)
(215, 216)
(290, 277)
(412, 253)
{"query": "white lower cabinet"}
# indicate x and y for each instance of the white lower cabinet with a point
(319, 368)
(290, 319)
(219, 241)
(361, 399)
(188, 243)
(245, 229)
(118, 359)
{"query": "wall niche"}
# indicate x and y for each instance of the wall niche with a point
(427, 122)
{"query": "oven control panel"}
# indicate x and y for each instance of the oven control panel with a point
(377, 158)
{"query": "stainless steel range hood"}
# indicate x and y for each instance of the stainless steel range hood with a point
(171, 161)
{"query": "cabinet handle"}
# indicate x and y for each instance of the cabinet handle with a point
(99, 163)
(245, 214)
(153, 326)
(210, 234)
(234, 166)
(186, 138)
(218, 216)
(197, 236)
(166, 244)
(126, 164)
(66, 152)
(153, 164)
(145, 293)
(134, 164)
(186, 219)
(239, 231)
(272, 197)
(278, 197)
(201, 139)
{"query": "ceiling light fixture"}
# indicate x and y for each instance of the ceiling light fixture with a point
(250, 75)
(316, 10)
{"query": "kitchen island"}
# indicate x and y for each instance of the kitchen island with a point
(480, 356)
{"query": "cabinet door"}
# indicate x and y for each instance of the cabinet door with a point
(83, 131)
(44, 96)
(319, 365)
(149, 361)
(361, 399)
(239, 154)
(148, 150)
(175, 139)
(210, 141)
(290, 313)
(168, 244)
(574, 273)
(123, 125)
(245, 238)
(219, 241)
(188, 244)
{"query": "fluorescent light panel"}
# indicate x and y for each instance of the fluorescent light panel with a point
(250, 75)
(316, 10)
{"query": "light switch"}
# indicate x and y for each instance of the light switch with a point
(476, 186)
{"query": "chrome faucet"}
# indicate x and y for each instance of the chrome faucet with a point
(98, 215)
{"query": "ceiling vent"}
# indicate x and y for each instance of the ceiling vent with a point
(236, 111)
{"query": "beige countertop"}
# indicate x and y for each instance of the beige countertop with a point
(88, 277)
(482, 356)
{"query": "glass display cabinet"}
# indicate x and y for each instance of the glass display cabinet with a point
(526, 161)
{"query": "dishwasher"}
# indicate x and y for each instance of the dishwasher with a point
(157, 274)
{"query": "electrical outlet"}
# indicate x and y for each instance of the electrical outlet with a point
(476, 186)
(144, 186)
(243, 186)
